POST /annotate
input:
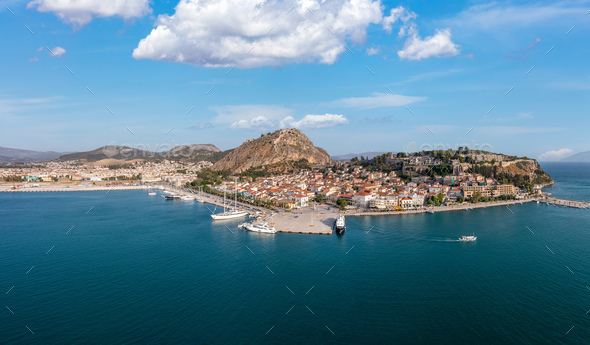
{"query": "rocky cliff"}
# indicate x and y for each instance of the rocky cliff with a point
(282, 150)
(529, 169)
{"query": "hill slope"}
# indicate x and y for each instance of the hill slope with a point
(123, 153)
(581, 157)
(108, 152)
(17, 155)
(282, 150)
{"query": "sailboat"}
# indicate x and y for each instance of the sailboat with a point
(231, 214)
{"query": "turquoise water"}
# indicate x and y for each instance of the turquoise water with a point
(573, 180)
(139, 269)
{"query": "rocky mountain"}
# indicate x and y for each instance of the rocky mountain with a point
(8, 155)
(581, 157)
(108, 152)
(281, 150)
(112, 154)
(528, 169)
(206, 152)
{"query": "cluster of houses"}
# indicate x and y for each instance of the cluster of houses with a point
(364, 189)
(177, 173)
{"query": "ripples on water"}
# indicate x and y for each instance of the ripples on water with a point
(139, 269)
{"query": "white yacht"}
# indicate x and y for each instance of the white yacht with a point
(339, 224)
(261, 227)
(468, 238)
(152, 193)
(235, 213)
(187, 198)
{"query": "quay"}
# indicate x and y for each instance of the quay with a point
(305, 223)
(71, 188)
(564, 202)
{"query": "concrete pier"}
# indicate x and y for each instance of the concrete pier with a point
(306, 223)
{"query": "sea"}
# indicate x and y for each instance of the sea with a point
(129, 268)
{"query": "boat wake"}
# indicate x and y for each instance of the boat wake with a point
(442, 239)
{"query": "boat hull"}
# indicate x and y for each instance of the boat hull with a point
(221, 216)
(263, 230)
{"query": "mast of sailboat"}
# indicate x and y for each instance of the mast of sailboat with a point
(236, 192)
(223, 200)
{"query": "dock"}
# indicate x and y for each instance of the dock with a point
(306, 223)
(564, 202)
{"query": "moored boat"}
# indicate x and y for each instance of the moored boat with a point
(260, 227)
(340, 224)
(230, 214)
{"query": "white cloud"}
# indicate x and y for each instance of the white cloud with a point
(268, 117)
(497, 15)
(439, 45)
(81, 12)
(416, 48)
(555, 155)
(33, 59)
(372, 51)
(259, 122)
(525, 115)
(248, 112)
(307, 122)
(202, 125)
(57, 51)
(314, 121)
(378, 100)
(255, 33)
(514, 130)
(399, 14)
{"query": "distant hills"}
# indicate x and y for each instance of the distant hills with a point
(111, 153)
(581, 157)
(108, 152)
(281, 150)
(349, 156)
(9, 155)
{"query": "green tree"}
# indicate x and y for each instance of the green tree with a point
(476, 197)
(341, 203)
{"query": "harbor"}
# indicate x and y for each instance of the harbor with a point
(316, 220)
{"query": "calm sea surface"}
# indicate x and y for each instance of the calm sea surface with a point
(139, 269)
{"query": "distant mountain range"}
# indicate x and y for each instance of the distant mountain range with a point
(9, 155)
(581, 157)
(124, 153)
(113, 152)
(349, 156)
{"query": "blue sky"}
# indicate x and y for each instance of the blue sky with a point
(355, 76)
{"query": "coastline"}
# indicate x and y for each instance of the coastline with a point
(68, 188)
(324, 209)
(437, 209)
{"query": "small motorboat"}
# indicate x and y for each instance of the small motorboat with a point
(467, 238)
